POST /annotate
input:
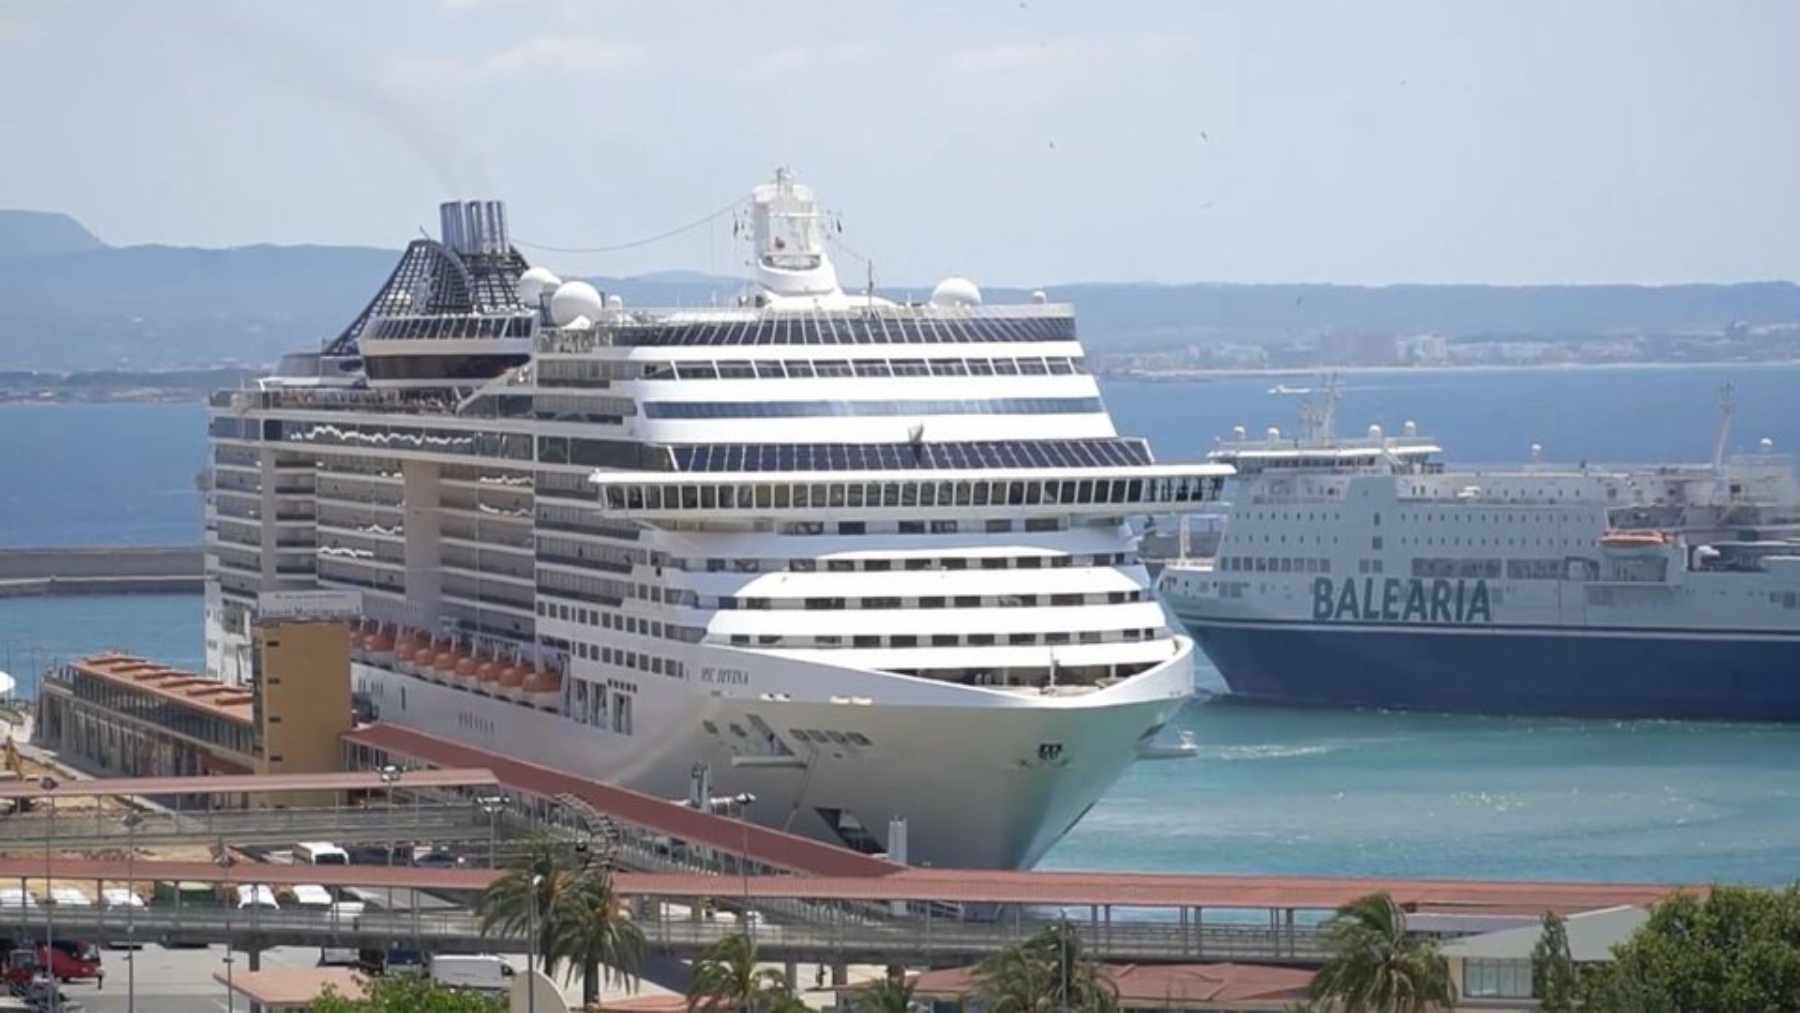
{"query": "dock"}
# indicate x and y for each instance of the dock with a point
(101, 569)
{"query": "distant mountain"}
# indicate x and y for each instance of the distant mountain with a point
(69, 301)
(43, 234)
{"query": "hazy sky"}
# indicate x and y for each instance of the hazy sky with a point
(1017, 142)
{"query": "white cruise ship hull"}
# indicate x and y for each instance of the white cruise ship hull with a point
(982, 783)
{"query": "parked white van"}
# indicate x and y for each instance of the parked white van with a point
(483, 972)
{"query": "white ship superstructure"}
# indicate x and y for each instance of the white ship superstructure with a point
(866, 561)
(1365, 572)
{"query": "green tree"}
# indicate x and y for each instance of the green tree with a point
(1375, 967)
(407, 994)
(726, 978)
(1046, 974)
(1554, 979)
(1737, 950)
(580, 923)
(892, 994)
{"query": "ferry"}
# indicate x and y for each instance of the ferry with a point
(1368, 573)
(867, 562)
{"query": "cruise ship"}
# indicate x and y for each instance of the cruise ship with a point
(1366, 572)
(870, 562)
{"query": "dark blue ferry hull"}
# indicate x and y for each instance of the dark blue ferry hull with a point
(1525, 671)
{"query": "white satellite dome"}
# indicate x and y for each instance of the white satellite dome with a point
(534, 283)
(575, 299)
(956, 292)
(1039, 296)
(615, 302)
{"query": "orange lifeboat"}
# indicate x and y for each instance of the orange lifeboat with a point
(404, 653)
(544, 688)
(444, 665)
(1633, 540)
(381, 647)
(465, 670)
(513, 679)
(488, 671)
(506, 672)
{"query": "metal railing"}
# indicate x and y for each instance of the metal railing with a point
(915, 940)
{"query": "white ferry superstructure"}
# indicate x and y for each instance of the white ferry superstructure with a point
(1365, 572)
(862, 560)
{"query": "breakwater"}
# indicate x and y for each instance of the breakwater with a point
(101, 569)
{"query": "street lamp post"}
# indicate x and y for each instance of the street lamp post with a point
(222, 858)
(390, 776)
(744, 800)
(492, 804)
(49, 783)
(531, 948)
(131, 820)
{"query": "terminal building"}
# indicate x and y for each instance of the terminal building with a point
(118, 714)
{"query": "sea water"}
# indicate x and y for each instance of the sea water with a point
(1273, 791)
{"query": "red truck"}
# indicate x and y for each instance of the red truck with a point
(68, 960)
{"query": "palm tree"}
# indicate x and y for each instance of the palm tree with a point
(1375, 967)
(589, 929)
(1047, 973)
(892, 994)
(577, 916)
(726, 978)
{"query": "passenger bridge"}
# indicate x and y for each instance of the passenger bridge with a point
(918, 917)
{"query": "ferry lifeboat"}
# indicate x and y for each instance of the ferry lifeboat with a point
(379, 647)
(465, 671)
(501, 673)
(443, 666)
(513, 679)
(487, 675)
(1633, 541)
(406, 655)
(543, 690)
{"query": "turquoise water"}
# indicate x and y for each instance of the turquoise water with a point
(1273, 791)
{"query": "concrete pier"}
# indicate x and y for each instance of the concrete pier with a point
(101, 569)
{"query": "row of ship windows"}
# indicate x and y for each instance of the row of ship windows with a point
(907, 640)
(961, 601)
(820, 736)
(903, 563)
(1284, 539)
(875, 495)
(875, 329)
(453, 327)
(1508, 517)
(812, 409)
(626, 623)
(634, 660)
(590, 370)
(924, 456)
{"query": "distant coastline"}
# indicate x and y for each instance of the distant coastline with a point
(192, 386)
(1290, 372)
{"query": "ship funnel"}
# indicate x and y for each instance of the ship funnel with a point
(474, 227)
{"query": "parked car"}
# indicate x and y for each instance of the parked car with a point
(257, 896)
